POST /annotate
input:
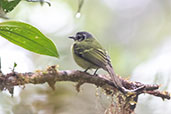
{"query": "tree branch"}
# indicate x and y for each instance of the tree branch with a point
(124, 103)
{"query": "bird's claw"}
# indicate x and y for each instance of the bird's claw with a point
(129, 93)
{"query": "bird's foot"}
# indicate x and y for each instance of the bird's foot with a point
(86, 70)
(95, 72)
(132, 92)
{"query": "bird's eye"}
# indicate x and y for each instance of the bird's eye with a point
(84, 35)
(80, 37)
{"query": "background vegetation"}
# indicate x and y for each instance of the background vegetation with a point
(135, 33)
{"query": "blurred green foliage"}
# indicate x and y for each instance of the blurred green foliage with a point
(130, 32)
(8, 6)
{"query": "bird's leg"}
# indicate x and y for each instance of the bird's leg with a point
(86, 69)
(95, 71)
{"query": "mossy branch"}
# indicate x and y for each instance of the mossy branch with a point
(126, 103)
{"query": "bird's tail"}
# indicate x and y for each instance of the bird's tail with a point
(117, 82)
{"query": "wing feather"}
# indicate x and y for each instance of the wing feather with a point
(95, 56)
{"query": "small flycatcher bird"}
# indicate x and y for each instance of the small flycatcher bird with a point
(89, 54)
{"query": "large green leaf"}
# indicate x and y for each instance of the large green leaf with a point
(28, 37)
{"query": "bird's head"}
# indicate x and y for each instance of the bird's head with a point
(80, 36)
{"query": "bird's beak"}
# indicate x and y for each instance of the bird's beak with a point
(72, 37)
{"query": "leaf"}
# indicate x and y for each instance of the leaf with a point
(8, 5)
(28, 37)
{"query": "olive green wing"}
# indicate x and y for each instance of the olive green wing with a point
(94, 55)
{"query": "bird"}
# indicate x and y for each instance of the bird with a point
(89, 54)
